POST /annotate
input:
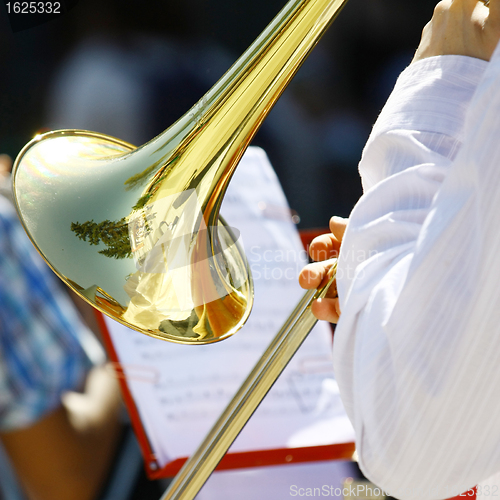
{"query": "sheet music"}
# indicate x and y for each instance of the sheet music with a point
(180, 390)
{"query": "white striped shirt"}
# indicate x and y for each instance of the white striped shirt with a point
(417, 348)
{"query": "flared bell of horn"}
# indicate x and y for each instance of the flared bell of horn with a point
(136, 231)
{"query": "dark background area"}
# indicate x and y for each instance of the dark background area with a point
(167, 54)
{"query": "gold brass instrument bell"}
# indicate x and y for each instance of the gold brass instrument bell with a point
(136, 232)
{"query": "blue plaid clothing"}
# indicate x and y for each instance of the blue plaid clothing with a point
(44, 348)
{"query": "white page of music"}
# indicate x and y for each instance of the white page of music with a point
(180, 390)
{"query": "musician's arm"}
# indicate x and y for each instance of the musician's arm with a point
(416, 349)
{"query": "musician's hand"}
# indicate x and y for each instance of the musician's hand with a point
(461, 27)
(324, 248)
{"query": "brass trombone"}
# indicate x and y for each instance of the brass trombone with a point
(136, 232)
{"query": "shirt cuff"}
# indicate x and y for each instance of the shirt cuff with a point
(432, 95)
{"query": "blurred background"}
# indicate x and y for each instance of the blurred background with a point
(130, 68)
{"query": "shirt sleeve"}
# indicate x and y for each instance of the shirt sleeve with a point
(417, 346)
